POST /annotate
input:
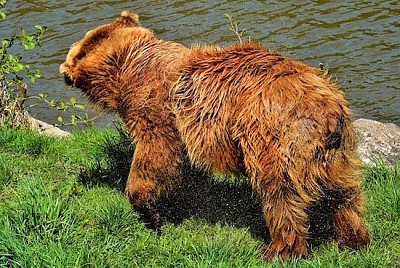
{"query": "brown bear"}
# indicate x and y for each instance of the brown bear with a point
(237, 110)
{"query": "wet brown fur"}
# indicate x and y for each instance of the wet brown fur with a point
(236, 110)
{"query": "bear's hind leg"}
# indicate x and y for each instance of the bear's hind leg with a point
(344, 189)
(287, 220)
(350, 229)
(285, 198)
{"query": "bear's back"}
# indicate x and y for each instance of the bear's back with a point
(225, 93)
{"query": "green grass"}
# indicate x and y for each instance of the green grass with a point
(62, 205)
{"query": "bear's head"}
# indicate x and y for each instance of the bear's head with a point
(93, 61)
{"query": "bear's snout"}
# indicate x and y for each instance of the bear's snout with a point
(68, 80)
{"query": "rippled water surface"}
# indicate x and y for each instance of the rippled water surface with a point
(358, 41)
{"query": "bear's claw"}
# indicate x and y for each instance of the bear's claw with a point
(151, 217)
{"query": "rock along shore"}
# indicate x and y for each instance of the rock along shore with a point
(378, 140)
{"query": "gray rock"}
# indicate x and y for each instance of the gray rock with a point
(46, 129)
(378, 140)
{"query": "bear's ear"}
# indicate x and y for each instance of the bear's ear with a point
(128, 19)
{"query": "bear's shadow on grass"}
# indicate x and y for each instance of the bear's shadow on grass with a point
(199, 196)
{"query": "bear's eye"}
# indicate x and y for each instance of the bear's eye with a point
(81, 55)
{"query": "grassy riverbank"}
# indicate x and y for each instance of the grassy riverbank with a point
(61, 205)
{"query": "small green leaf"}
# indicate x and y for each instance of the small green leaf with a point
(60, 120)
(29, 46)
(73, 120)
(39, 73)
(32, 78)
(62, 106)
(79, 106)
(42, 96)
(10, 58)
(18, 67)
(52, 103)
(228, 16)
(5, 43)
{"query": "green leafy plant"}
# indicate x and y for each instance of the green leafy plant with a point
(234, 27)
(64, 106)
(15, 75)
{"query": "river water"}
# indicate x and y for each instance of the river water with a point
(358, 41)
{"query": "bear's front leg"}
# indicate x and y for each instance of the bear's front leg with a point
(142, 192)
(155, 168)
